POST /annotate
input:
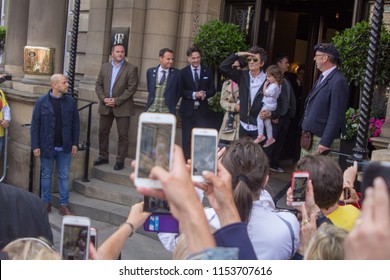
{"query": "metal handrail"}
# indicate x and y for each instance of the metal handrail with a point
(5, 154)
(87, 143)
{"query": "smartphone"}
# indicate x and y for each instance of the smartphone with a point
(156, 205)
(8, 77)
(75, 238)
(375, 169)
(94, 239)
(299, 184)
(158, 222)
(155, 142)
(204, 152)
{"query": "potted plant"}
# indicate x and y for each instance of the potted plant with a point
(217, 40)
(353, 44)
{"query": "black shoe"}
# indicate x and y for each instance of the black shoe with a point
(100, 161)
(277, 168)
(119, 165)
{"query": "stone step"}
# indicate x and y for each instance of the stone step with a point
(108, 191)
(99, 210)
(106, 173)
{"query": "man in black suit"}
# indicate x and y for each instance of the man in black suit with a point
(163, 85)
(197, 85)
(325, 106)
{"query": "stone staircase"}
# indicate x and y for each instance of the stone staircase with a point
(107, 197)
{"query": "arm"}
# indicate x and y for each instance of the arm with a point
(75, 126)
(210, 91)
(99, 85)
(131, 86)
(112, 246)
(227, 70)
(183, 201)
(338, 104)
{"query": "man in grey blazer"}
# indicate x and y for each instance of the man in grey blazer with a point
(115, 86)
(325, 106)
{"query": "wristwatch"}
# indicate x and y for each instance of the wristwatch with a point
(321, 218)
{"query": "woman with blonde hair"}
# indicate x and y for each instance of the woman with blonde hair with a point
(326, 243)
(30, 248)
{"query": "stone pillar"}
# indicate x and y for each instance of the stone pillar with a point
(47, 31)
(16, 37)
(384, 140)
(161, 28)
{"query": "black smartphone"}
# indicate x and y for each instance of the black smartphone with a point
(8, 77)
(375, 169)
(156, 205)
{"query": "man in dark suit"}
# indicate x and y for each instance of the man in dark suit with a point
(283, 114)
(325, 106)
(197, 85)
(115, 86)
(163, 85)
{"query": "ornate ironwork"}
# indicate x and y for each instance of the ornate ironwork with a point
(73, 48)
(244, 18)
(360, 150)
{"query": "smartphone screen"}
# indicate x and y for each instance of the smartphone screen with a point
(156, 205)
(299, 188)
(155, 147)
(93, 238)
(75, 242)
(204, 152)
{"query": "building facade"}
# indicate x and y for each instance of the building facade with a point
(146, 26)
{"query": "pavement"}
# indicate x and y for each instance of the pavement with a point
(146, 246)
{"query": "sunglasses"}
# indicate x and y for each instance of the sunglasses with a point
(254, 59)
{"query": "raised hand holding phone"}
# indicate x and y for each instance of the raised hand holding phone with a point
(75, 238)
(155, 141)
(299, 186)
(203, 153)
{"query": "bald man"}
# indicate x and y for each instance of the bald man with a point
(55, 128)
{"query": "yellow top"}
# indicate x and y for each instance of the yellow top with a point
(3, 103)
(344, 216)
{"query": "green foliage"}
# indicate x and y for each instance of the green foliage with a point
(353, 44)
(217, 40)
(2, 37)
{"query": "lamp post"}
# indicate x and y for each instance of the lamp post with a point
(360, 150)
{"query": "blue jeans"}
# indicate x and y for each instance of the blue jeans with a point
(63, 164)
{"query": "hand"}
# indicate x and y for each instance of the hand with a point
(308, 227)
(137, 216)
(74, 150)
(218, 189)
(370, 237)
(237, 108)
(350, 174)
(37, 152)
(311, 206)
(5, 123)
(321, 149)
(265, 114)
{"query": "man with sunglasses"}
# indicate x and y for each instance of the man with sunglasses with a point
(250, 84)
(325, 106)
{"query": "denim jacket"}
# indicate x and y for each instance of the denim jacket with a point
(43, 125)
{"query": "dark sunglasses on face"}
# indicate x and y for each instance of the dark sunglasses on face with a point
(254, 59)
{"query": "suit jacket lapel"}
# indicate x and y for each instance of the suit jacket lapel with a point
(171, 75)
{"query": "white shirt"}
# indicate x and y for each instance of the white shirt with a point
(160, 73)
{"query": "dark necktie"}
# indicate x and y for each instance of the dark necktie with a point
(319, 80)
(163, 77)
(196, 78)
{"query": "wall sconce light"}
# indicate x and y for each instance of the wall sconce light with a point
(337, 16)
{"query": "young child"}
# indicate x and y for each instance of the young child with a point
(271, 91)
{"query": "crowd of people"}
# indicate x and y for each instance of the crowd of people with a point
(241, 220)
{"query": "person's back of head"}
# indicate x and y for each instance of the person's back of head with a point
(248, 165)
(326, 243)
(30, 248)
(326, 176)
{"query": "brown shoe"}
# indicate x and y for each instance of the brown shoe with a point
(48, 207)
(65, 211)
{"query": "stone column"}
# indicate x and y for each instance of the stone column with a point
(161, 28)
(384, 139)
(46, 28)
(16, 37)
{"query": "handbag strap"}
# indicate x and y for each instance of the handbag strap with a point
(292, 236)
